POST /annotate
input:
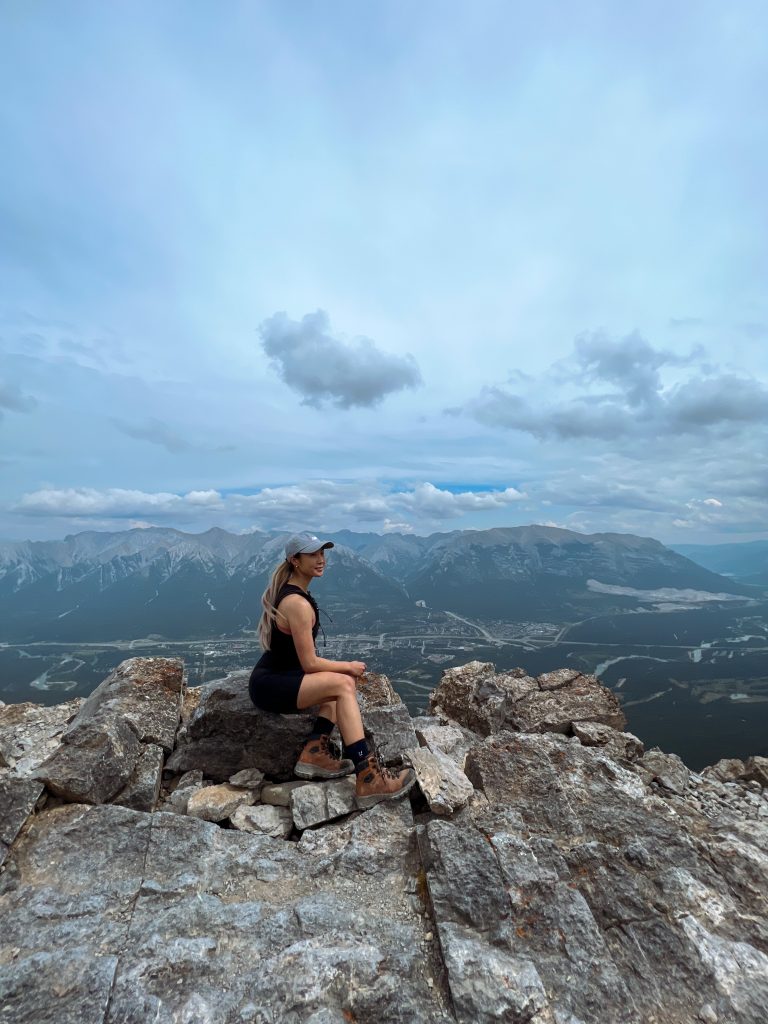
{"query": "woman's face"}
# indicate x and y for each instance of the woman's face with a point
(312, 564)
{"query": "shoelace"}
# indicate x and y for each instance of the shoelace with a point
(329, 747)
(388, 773)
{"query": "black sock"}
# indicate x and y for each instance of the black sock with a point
(358, 752)
(321, 727)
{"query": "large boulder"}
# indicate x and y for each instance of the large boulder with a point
(137, 705)
(95, 760)
(145, 692)
(486, 701)
(227, 733)
(577, 865)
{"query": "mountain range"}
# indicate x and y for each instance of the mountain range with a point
(166, 583)
(746, 562)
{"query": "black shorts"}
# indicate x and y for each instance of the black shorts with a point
(275, 691)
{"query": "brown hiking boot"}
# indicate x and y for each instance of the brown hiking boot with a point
(319, 760)
(375, 782)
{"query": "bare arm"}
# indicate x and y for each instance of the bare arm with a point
(297, 615)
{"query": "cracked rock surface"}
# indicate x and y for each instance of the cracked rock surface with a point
(111, 915)
(548, 871)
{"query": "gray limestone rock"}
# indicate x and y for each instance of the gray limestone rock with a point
(146, 692)
(138, 703)
(61, 986)
(119, 917)
(227, 733)
(485, 701)
(728, 769)
(94, 761)
(190, 779)
(390, 730)
(443, 783)
(18, 799)
(490, 984)
(375, 690)
(558, 679)
(756, 770)
(372, 846)
(580, 884)
(322, 801)
(215, 803)
(249, 778)
(668, 769)
(29, 733)
(583, 698)
(619, 745)
(596, 868)
(279, 794)
(142, 791)
(477, 697)
(264, 818)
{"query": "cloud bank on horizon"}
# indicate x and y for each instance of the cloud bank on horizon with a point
(384, 268)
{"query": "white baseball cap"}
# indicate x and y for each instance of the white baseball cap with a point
(305, 544)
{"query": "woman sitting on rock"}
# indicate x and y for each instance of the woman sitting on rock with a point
(290, 676)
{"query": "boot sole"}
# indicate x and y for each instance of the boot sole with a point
(364, 802)
(310, 772)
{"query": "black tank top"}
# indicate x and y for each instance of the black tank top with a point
(282, 654)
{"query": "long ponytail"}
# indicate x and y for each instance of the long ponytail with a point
(280, 576)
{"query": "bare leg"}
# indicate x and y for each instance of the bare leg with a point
(328, 710)
(324, 687)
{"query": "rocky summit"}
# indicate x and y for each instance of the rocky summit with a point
(161, 863)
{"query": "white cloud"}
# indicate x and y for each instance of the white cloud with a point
(115, 502)
(612, 390)
(323, 368)
(317, 501)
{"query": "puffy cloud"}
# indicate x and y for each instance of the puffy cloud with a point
(613, 390)
(323, 502)
(723, 400)
(431, 502)
(323, 368)
(78, 502)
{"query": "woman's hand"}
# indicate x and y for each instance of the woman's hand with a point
(356, 668)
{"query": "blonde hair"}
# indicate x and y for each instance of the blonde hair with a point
(280, 576)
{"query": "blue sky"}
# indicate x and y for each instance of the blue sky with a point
(384, 266)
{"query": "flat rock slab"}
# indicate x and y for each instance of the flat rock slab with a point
(390, 730)
(574, 869)
(279, 793)
(227, 733)
(29, 733)
(18, 799)
(264, 819)
(184, 921)
(215, 803)
(445, 786)
(322, 801)
(143, 788)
